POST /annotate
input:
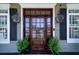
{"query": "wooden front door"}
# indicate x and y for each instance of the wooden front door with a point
(38, 39)
(37, 27)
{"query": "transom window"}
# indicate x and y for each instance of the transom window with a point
(3, 11)
(37, 12)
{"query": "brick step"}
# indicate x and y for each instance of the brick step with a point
(38, 52)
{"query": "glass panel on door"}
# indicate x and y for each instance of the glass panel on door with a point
(49, 26)
(27, 26)
(37, 27)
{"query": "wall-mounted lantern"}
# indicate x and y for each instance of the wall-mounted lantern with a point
(16, 18)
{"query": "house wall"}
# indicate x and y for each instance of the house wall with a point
(11, 47)
(4, 6)
(57, 25)
(65, 47)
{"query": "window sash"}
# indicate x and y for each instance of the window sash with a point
(3, 24)
(4, 11)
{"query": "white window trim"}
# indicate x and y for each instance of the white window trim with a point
(22, 23)
(53, 21)
(70, 40)
(6, 41)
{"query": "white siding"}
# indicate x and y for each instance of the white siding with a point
(4, 6)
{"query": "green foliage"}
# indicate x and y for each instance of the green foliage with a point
(53, 44)
(22, 45)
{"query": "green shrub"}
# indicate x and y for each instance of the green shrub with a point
(53, 44)
(22, 45)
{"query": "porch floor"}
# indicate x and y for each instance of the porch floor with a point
(66, 48)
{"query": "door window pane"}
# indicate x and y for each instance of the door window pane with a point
(27, 35)
(27, 24)
(34, 32)
(34, 19)
(48, 34)
(48, 24)
(38, 25)
(27, 28)
(42, 19)
(38, 20)
(48, 20)
(33, 35)
(34, 24)
(27, 19)
(42, 25)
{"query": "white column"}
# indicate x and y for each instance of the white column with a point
(21, 23)
(54, 20)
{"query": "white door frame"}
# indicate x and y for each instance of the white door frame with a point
(33, 5)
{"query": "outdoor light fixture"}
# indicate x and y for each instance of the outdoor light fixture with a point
(59, 18)
(16, 18)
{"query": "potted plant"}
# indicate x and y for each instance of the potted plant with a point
(53, 45)
(22, 45)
